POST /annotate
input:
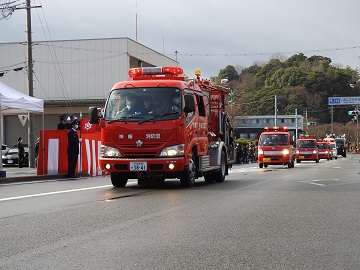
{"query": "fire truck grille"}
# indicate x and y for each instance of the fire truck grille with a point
(309, 153)
(140, 154)
(275, 157)
(145, 145)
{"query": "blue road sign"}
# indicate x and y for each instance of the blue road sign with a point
(344, 100)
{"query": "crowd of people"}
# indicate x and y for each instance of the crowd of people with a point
(66, 121)
(246, 153)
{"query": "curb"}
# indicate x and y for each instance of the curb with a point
(31, 178)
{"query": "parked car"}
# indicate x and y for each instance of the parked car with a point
(11, 156)
(4, 148)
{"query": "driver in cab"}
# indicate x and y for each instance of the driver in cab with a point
(134, 106)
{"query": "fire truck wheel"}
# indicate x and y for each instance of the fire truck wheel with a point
(189, 174)
(261, 165)
(298, 161)
(219, 176)
(209, 178)
(317, 161)
(265, 165)
(118, 180)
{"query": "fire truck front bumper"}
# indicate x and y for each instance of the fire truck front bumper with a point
(274, 157)
(138, 165)
(307, 155)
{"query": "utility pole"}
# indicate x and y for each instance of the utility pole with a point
(30, 86)
(357, 128)
(296, 125)
(28, 7)
(307, 127)
(275, 112)
(332, 119)
(176, 53)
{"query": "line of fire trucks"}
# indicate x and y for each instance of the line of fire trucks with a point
(160, 124)
(275, 147)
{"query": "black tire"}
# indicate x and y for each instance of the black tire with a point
(219, 176)
(118, 180)
(265, 165)
(317, 161)
(344, 155)
(189, 174)
(209, 178)
(261, 165)
(298, 161)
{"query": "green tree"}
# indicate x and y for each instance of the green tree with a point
(229, 72)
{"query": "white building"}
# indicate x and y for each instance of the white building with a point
(70, 76)
(252, 126)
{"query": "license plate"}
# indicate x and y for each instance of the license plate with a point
(138, 166)
(10, 161)
(301, 157)
(266, 159)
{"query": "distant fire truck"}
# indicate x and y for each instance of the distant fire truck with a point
(332, 142)
(160, 124)
(325, 150)
(306, 149)
(275, 147)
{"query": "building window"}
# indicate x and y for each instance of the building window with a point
(254, 136)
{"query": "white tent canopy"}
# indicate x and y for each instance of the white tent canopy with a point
(15, 102)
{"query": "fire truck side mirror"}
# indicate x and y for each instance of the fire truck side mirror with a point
(189, 104)
(93, 115)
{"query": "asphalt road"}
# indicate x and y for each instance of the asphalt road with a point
(276, 218)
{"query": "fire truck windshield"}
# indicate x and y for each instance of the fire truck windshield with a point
(274, 139)
(141, 104)
(306, 144)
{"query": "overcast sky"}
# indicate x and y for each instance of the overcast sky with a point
(207, 34)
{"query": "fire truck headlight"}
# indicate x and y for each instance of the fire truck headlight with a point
(314, 152)
(326, 152)
(260, 152)
(173, 151)
(107, 151)
(297, 152)
(286, 152)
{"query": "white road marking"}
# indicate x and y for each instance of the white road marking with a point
(314, 181)
(52, 193)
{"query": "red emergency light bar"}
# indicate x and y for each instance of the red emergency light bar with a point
(307, 137)
(135, 72)
(282, 128)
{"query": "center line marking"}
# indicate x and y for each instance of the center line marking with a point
(51, 193)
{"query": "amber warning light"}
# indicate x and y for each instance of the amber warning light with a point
(135, 72)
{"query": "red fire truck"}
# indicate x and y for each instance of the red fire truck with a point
(160, 124)
(325, 150)
(306, 149)
(275, 147)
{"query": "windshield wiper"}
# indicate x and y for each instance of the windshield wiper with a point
(124, 118)
(157, 116)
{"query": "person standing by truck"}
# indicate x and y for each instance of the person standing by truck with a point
(21, 149)
(73, 148)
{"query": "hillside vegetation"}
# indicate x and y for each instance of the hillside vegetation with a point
(299, 82)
